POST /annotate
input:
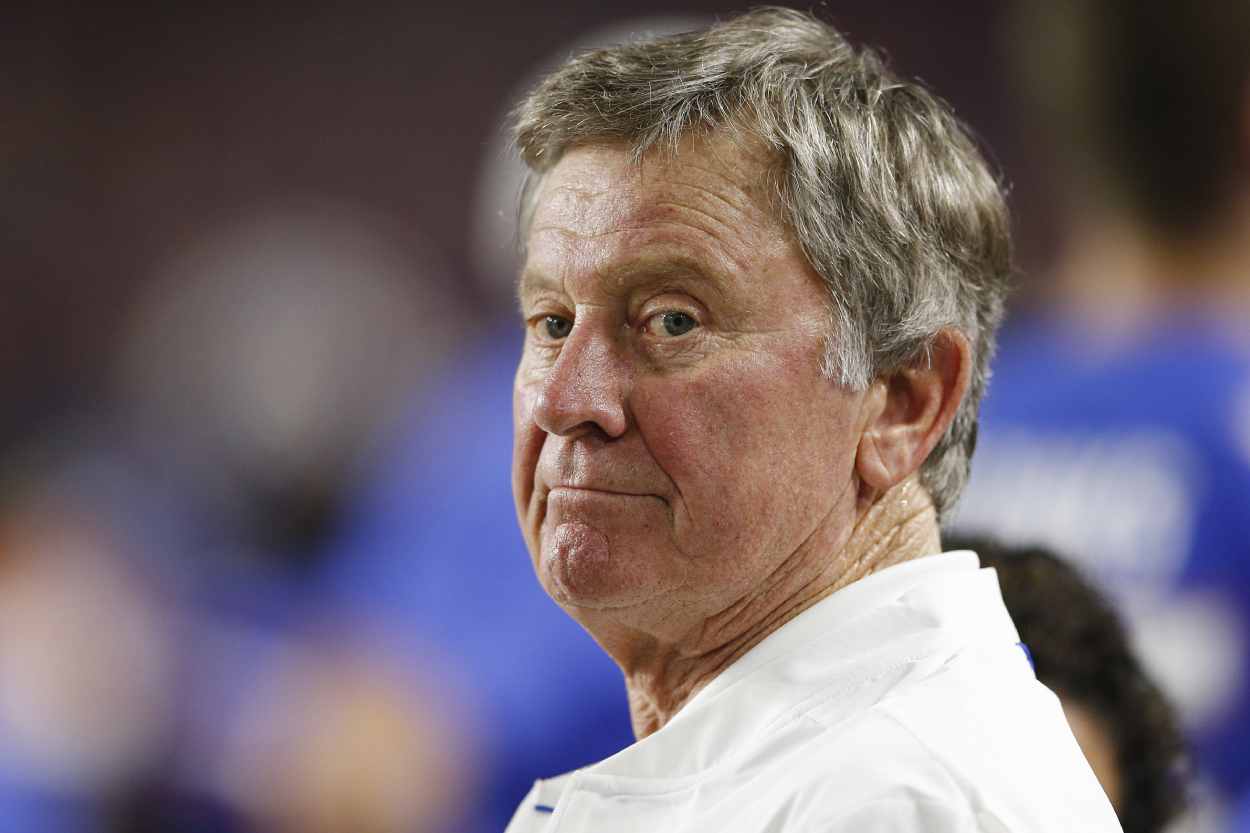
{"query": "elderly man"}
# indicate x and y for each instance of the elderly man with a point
(762, 280)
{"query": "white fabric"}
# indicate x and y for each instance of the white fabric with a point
(900, 703)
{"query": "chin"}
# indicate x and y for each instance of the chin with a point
(579, 568)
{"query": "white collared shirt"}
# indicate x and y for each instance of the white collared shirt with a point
(903, 702)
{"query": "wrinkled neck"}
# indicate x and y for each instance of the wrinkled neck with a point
(890, 527)
(893, 526)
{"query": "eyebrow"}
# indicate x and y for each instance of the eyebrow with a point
(631, 273)
(533, 281)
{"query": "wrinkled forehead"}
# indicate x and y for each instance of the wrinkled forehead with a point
(727, 166)
(603, 210)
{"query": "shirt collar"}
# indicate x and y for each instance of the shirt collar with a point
(881, 621)
(838, 609)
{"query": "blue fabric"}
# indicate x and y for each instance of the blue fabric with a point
(1241, 815)
(1027, 654)
(27, 809)
(1134, 461)
(434, 548)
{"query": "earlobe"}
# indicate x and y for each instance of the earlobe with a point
(907, 411)
(873, 471)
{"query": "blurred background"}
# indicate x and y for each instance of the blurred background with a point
(259, 566)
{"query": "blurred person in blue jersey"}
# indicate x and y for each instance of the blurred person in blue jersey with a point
(166, 662)
(1117, 428)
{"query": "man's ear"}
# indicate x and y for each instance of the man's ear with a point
(909, 410)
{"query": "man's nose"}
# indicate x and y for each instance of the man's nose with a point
(584, 390)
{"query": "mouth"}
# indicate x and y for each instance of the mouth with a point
(589, 490)
(599, 506)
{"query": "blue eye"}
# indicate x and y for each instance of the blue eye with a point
(677, 323)
(557, 326)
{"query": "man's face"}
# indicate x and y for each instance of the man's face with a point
(679, 457)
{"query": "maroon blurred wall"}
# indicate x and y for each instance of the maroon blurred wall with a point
(126, 128)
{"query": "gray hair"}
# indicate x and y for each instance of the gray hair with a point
(886, 193)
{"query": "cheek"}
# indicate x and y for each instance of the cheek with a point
(752, 437)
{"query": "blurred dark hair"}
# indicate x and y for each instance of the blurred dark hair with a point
(1148, 96)
(1080, 651)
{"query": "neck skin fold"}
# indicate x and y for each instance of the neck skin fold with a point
(890, 527)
